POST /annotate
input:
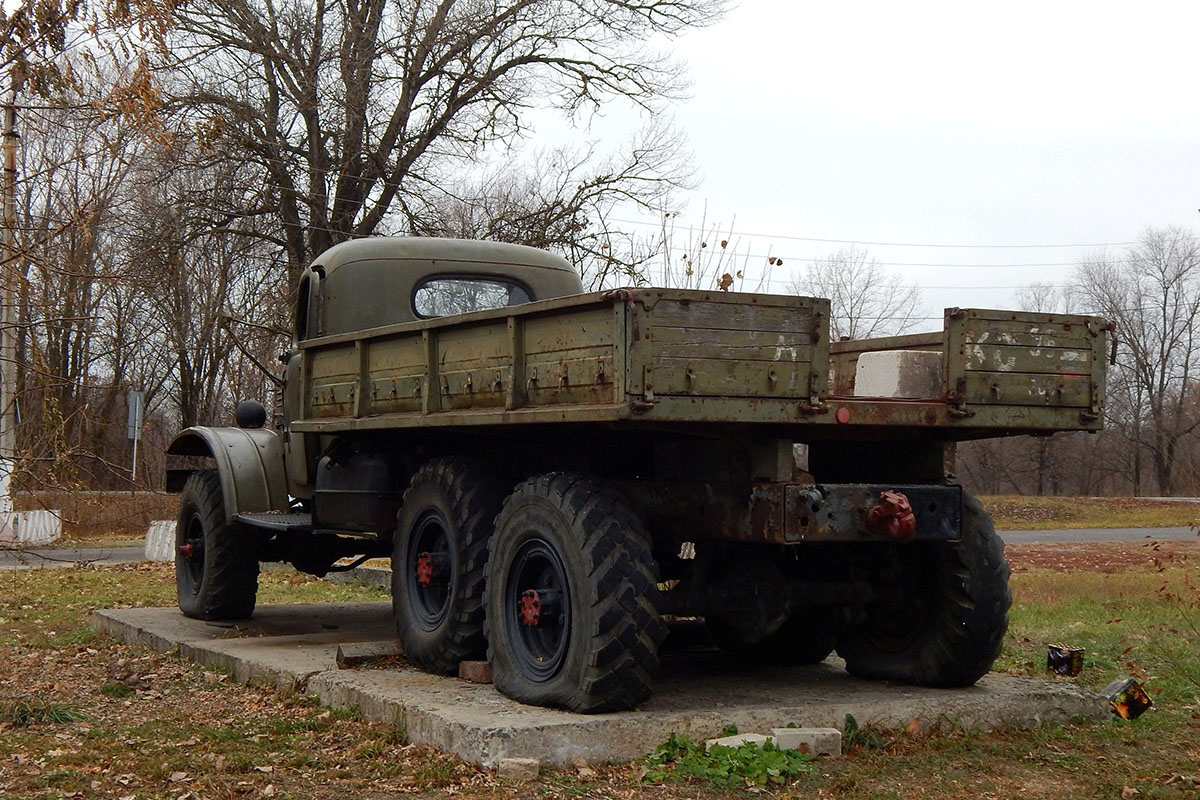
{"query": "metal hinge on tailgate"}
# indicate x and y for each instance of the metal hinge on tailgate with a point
(957, 400)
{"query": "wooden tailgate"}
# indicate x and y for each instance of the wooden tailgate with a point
(1015, 358)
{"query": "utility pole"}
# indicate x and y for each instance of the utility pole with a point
(8, 309)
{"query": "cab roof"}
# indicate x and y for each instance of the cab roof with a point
(368, 283)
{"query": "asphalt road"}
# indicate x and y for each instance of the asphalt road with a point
(1100, 535)
(68, 557)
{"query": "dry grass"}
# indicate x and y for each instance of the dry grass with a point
(178, 732)
(1059, 513)
(103, 516)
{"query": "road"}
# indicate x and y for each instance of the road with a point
(124, 554)
(69, 556)
(1099, 535)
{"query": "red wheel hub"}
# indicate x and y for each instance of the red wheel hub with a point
(531, 608)
(425, 570)
(893, 516)
(188, 551)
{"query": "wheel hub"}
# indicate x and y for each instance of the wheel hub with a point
(428, 569)
(531, 608)
(424, 569)
(538, 610)
(191, 550)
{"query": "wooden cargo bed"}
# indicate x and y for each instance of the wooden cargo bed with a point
(687, 358)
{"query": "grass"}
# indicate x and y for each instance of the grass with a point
(1059, 513)
(23, 711)
(65, 734)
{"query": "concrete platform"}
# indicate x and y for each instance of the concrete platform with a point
(699, 690)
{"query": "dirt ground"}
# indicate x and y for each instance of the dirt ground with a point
(1100, 556)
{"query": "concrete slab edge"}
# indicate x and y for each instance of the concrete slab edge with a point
(559, 738)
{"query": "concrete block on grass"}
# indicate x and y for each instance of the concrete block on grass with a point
(737, 740)
(814, 741)
(519, 769)
(160, 540)
(355, 654)
(37, 527)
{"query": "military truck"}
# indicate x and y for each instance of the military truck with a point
(558, 475)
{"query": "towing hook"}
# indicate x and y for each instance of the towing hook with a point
(893, 516)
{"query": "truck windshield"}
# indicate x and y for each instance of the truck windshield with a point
(439, 297)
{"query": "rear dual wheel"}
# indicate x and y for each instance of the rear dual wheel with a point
(573, 607)
(939, 612)
(438, 557)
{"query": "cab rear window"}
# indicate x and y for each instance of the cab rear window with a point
(439, 297)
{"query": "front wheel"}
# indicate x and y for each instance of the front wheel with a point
(572, 600)
(216, 562)
(939, 612)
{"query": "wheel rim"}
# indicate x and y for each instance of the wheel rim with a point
(538, 610)
(429, 569)
(902, 614)
(190, 561)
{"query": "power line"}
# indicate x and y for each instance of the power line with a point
(895, 244)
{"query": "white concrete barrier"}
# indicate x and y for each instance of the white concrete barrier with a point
(21, 528)
(899, 373)
(160, 540)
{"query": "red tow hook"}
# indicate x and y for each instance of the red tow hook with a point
(893, 516)
(531, 608)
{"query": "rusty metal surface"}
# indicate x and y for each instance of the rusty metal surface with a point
(788, 513)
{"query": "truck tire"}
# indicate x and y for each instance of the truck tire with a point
(573, 606)
(940, 619)
(216, 572)
(805, 638)
(438, 555)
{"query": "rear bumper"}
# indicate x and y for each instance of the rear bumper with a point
(791, 513)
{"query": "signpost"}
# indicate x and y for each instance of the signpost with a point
(134, 423)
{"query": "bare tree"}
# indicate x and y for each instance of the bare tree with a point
(1153, 294)
(74, 168)
(350, 110)
(864, 300)
(564, 201)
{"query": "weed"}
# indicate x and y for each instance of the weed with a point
(397, 735)
(855, 735)
(21, 712)
(436, 772)
(679, 758)
(116, 689)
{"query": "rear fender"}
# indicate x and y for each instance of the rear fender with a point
(249, 462)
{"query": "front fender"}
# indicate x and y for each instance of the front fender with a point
(249, 462)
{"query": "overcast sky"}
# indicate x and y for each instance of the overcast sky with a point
(947, 123)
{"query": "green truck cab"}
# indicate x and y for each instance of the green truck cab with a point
(556, 475)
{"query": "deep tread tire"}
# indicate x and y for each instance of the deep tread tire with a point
(615, 627)
(966, 617)
(223, 582)
(805, 638)
(466, 496)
